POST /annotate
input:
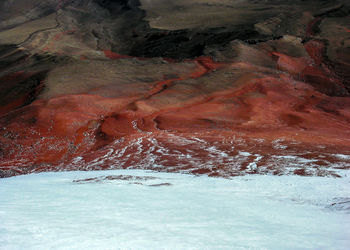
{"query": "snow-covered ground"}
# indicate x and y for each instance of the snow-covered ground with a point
(134, 209)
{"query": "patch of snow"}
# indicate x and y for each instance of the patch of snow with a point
(278, 145)
(244, 153)
(134, 209)
(295, 158)
(343, 157)
(292, 157)
(217, 152)
(252, 166)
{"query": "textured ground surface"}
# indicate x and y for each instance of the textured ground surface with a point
(137, 209)
(222, 88)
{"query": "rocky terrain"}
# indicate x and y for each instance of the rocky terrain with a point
(222, 88)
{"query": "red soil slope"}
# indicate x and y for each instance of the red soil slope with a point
(262, 110)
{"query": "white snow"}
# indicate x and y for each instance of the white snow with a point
(343, 157)
(244, 153)
(50, 211)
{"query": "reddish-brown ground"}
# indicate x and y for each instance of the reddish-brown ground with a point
(270, 112)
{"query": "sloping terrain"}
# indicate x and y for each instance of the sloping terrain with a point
(222, 88)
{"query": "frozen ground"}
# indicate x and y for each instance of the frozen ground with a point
(133, 209)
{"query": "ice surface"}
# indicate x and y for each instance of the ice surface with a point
(126, 209)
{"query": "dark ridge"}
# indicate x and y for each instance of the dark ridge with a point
(337, 11)
(262, 40)
(114, 6)
(316, 27)
(22, 75)
(10, 56)
(7, 48)
(182, 44)
(124, 31)
(24, 88)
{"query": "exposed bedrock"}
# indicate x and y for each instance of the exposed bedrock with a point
(222, 88)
